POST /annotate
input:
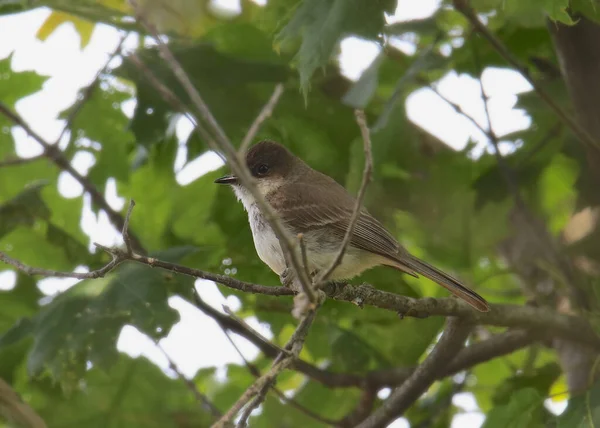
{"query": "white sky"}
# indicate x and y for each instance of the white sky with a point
(70, 69)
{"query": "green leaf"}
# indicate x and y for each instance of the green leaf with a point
(320, 24)
(224, 80)
(23, 209)
(102, 121)
(522, 411)
(558, 195)
(134, 392)
(16, 85)
(83, 323)
(583, 410)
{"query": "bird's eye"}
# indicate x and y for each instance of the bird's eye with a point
(262, 169)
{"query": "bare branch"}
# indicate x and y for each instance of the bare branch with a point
(172, 99)
(463, 7)
(250, 330)
(554, 324)
(265, 113)
(98, 273)
(125, 230)
(58, 158)
(366, 177)
(200, 397)
(256, 373)
(258, 390)
(15, 161)
(362, 410)
(403, 397)
(16, 410)
(308, 290)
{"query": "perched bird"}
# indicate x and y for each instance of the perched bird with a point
(315, 205)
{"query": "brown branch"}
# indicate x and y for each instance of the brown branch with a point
(503, 315)
(58, 158)
(254, 371)
(261, 385)
(202, 399)
(477, 353)
(265, 113)
(537, 319)
(16, 410)
(33, 271)
(362, 410)
(463, 7)
(496, 346)
(402, 398)
(170, 97)
(366, 177)
(15, 161)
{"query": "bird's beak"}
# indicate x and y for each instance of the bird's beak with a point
(227, 179)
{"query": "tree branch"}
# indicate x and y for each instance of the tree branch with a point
(463, 7)
(200, 397)
(256, 373)
(261, 385)
(15, 161)
(264, 114)
(401, 399)
(537, 319)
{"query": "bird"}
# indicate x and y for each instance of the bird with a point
(313, 204)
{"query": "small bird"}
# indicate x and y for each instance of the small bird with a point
(315, 205)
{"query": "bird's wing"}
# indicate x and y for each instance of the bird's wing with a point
(309, 207)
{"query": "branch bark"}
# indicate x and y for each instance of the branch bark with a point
(401, 399)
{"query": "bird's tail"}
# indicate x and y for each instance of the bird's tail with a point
(451, 284)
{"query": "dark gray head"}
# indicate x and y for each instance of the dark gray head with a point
(266, 160)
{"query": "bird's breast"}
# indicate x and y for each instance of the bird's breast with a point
(265, 241)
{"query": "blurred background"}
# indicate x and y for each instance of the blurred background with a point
(473, 171)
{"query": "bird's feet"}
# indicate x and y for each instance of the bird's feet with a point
(287, 277)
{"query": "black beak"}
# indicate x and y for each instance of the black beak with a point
(228, 179)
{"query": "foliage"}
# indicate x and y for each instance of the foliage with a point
(446, 206)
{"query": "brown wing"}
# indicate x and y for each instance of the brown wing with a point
(308, 207)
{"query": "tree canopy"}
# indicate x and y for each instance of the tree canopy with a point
(518, 225)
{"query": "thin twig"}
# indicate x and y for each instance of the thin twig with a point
(402, 398)
(223, 143)
(256, 373)
(172, 99)
(363, 408)
(125, 230)
(264, 114)
(496, 346)
(58, 158)
(89, 90)
(308, 290)
(98, 273)
(366, 177)
(260, 387)
(15, 161)
(200, 397)
(251, 330)
(463, 7)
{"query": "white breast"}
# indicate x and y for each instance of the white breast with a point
(266, 243)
